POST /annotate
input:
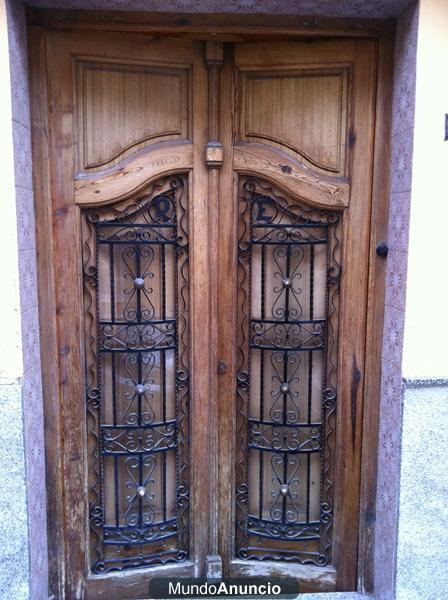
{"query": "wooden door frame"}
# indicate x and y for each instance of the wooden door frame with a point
(226, 27)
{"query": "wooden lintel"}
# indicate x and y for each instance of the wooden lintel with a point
(207, 26)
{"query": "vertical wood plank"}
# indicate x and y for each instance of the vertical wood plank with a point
(47, 310)
(375, 313)
(227, 278)
(213, 59)
(200, 322)
(353, 320)
(69, 318)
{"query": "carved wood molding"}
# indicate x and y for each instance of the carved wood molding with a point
(214, 152)
(288, 174)
(133, 173)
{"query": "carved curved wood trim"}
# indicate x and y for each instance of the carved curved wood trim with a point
(302, 153)
(291, 176)
(133, 173)
(155, 136)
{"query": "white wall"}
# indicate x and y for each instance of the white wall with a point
(426, 329)
(11, 366)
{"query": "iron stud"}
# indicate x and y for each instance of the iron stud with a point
(141, 491)
(139, 283)
(284, 489)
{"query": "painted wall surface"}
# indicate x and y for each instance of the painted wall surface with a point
(422, 560)
(22, 404)
(426, 328)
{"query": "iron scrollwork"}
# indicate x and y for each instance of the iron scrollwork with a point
(288, 304)
(135, 263)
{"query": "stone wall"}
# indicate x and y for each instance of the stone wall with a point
(22, 440)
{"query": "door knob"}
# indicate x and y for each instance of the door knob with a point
(382, 249)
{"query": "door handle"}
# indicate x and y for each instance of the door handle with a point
(382, 249)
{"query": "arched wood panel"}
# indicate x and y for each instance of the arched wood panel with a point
(290, 175)
(132, 174)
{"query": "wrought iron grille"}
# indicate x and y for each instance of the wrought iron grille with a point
(288, 297)
(135, 258)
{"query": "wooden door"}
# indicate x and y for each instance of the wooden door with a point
(129, 250)
(297, 130)
(205, 223)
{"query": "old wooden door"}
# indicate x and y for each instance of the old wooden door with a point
(294, 225)
(208, 255)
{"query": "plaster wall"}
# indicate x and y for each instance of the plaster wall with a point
(426, 332)
(422, 566)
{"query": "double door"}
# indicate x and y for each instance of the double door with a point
(209, 248)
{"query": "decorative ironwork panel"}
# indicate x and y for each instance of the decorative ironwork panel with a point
(135, 257)
(288, 298)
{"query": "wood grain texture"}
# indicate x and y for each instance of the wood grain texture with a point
(200, 323)
(231, 27)
(310, 578)
(47, 310)
(282, 170)
(213, 59)
(314, 131)
(226, 272)
(214, 115)
(60, 237)
(131, 584)
(353, 317)
(353, 198)
(132, 174)
(293, 54)
(124, 107)
(375, 313)
(69, 315)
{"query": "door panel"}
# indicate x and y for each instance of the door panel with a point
(116, 98)
(288, 283)
(135, 260)
(300, 156)
(314, 132)
(132, 383)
